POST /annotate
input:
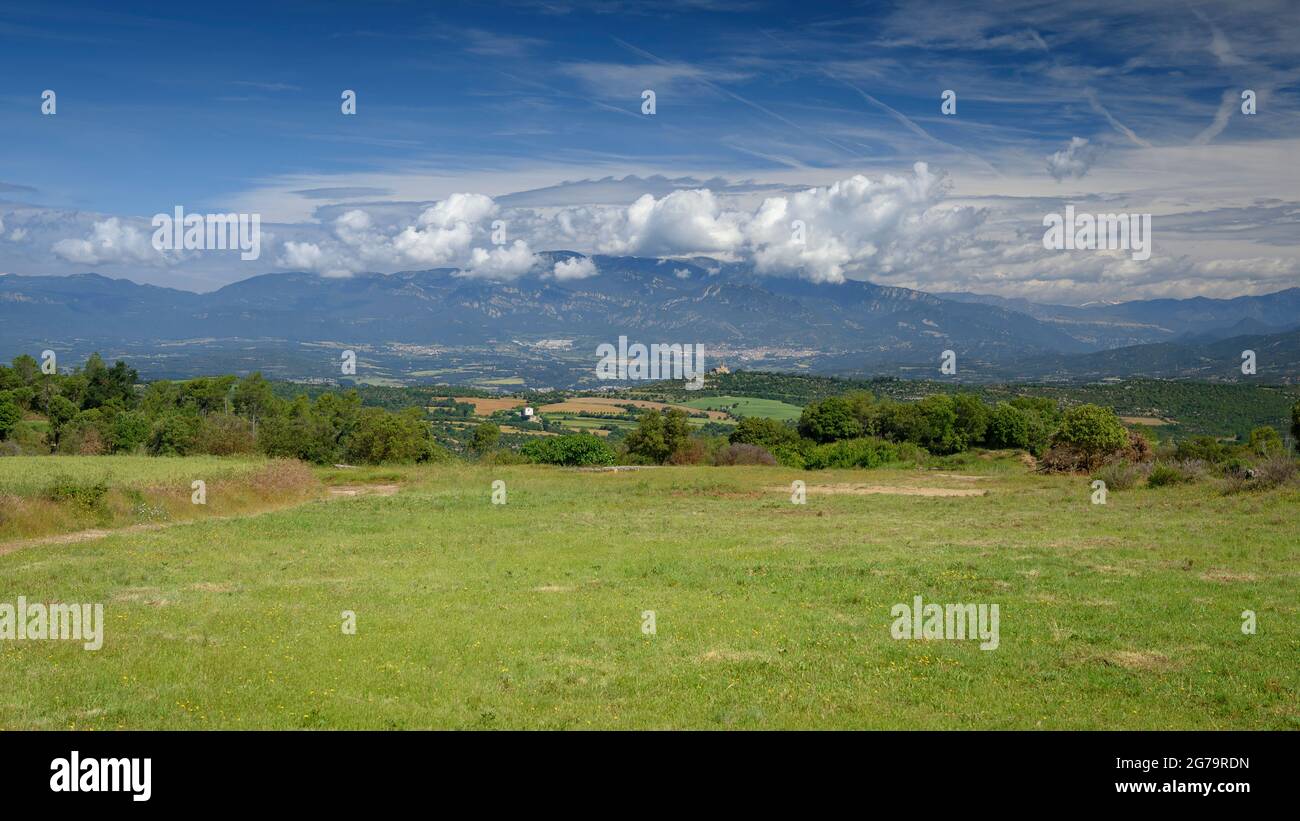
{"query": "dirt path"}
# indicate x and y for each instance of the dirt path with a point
(337, 492)
(891, 490)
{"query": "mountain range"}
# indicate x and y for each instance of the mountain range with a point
(444, 325)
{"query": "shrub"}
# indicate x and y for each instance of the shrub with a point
(1119, 475)
(1274, 471)
(1008, 427)
(1265, 441)
(174, 434)
(383, 437)
(766, 433)
(486, 437)
(504, 456)
(1139, 448)
(658, 435)
(1204, 448)
(224, 434)
(830, 420)
(690, 452)
(129, 432)
(1168, 473)
(1086, 437)
(89, 495)
(10, 416)
(743, 454)
(851, 453)
(571, 450)
(793, 455)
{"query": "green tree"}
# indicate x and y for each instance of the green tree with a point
(830, 420)
(659, 435)
(972, 419)
(130, 430)
(1265, 441)
(253, 398)
(174, 434)
(1295, 424)
(1092, 430)
(390, 437)
(1008, 427)
(10, 416)
(60, 412)
(486, 437)
(575, 449)
(763, 432)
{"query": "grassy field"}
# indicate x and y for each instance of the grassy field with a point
(748, 406)
(44, 496)
(768, 614)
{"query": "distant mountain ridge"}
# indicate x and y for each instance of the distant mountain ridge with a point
(833, 327)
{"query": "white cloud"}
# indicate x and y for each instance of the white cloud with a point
(1073, 161)
(445, 231)
(110, 240)
(575, 268)
(502, 262)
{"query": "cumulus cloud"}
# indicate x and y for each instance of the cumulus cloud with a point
(1073, 161)
(855, 227)
(110, 240)
(575, 268)
(445, 231)
(502, 262)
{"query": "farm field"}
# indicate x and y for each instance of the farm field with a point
(597, 404)
(530, 614)
(748, 406)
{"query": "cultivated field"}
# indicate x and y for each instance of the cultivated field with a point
(768, 614)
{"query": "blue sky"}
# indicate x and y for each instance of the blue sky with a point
(236, 107)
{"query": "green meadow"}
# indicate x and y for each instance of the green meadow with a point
(748, 406)
(767, 614)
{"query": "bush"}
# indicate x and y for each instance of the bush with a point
(486, 437)
(1008, 427)
(383, 437)
(572, 450)
(690, 452)
(851, 453)
(830, 420)
(174, 434)
(10, 416)
(1119, 475)
(1087, 436)
(743, 454)
(1168, 473)
(224, 434)
(89, 495)
(1274, 471)
(129, 432)
(766, 433)
(1203, 448)
(658, 435)
(1266, 441)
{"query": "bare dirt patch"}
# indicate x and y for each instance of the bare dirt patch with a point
(1142, 660)
(733, 655)
(364, 490)
(1225, 576)
(487, 406)
(889, 490)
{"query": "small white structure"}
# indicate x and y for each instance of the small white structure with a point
(528, 413)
